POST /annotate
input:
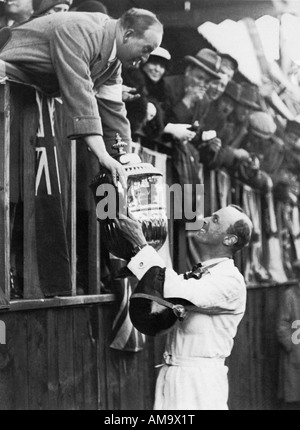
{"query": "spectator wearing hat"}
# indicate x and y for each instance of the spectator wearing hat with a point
(216, 88)
(237, 126)
(146, 114)
(214, 154)
(261, 142)
(221, 109)
(266, 152)
(47, 7)
(184, 91)
(229, 65)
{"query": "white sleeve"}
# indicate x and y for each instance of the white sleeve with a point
(214, 292)
(144, 260)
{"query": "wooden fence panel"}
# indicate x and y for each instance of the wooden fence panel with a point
(4, 193)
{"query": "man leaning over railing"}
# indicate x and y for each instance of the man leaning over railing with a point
(79, 56)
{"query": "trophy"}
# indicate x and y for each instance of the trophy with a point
(144, 198)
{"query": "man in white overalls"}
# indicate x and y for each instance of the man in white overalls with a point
(194, 375)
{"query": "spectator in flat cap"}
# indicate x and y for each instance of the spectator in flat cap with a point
(262, 142)
(261, 125)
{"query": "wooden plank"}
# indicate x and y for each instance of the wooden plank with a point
(52, 359)
(112, 365)
(102, 374)
(78, 353)
(89, 348)
(20, 360)
(61, 302)
(29, 124)
(66, 394)
(130, 395)
(7, 365)
(147, 385)
(4, 193)
(37, 361)
(94, 250)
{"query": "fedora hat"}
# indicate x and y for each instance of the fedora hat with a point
(149, 312)
(233, 90)
(249, 96)
(207, 60)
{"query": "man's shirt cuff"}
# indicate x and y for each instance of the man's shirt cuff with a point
(144, 260)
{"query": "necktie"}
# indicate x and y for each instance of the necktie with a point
(196, 273)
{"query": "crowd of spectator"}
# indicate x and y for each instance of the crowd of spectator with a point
(177, 111)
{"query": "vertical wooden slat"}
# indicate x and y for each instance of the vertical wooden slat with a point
(113, 363)
(29, 124)
(4, 189)
(66, 395)
(94, 251)
(52, 359)
(18, 326)
(73, 218)
(37, 361)
(101, 359)
(78, 353)
(7, 364)
(90, 360)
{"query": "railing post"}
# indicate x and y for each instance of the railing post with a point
(26, 104)
(4, 189)
(73, 218)
(94, 251)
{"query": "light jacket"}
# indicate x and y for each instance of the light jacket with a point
(67, 54)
